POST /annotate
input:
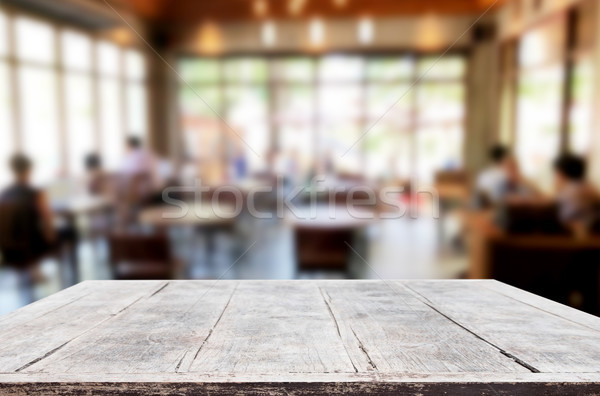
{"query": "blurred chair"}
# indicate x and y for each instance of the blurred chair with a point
(527, 246)
(136, 256)
(452, 177)
(20, 242)
(530, 218)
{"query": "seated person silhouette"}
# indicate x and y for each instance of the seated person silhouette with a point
(26, 227)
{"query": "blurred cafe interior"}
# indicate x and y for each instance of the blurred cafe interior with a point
(300, 139)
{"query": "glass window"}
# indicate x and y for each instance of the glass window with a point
(294, 119)
(582, 110)
(538, 122)
(438, 103)
(294, 69)
(108, 58)
(135, 65)
(200, 125)
(543, 45)
(319, 108)
(395, 99)
(34, 40)
(6, 124)
(76, 51)
(341, 68)
(37, 87)
(137, 122)
(388, 152)
(339, 127)
(246, 70)
(390, 68)
(200, 70)
(247, 114)
(111, 123)
(79, 121)
(3, 34)
(447, 67)
(437, 148)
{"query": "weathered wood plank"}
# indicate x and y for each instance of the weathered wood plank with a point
(161, 333)
(35, 336)
(274, 327)
(541, 340)
(397, 333)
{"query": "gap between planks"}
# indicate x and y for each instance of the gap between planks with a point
(430, 304)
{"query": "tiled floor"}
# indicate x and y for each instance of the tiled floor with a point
(264, 249)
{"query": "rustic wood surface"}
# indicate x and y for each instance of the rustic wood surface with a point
(298, 337)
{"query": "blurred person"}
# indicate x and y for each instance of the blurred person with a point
(138, 160)
(95, 176)
(32, 217)
(239, 164)
(575, 195)
(515, 186)
(138, 180)
(492, 180)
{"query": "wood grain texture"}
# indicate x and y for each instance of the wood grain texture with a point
(298, 337)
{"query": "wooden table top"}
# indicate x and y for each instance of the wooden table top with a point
(196, 214)
(79, 204)
(298, 337)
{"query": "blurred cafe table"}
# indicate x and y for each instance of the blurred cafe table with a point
(204, 218)
(195, 214)
(324, 234)
(79, 205)
(69, 208)
(298, 337)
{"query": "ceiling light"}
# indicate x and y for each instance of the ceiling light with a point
(268, 33)
(365, 31)
(260, 8)
(295, 6)
(316, 31)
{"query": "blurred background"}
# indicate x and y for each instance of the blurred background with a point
(491, 104)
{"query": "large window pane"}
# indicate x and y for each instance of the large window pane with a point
(582, 109)
(6, 124)
(200, 70)
(34, 40)
(294, 69)
(440, 102)
(39, 121)
(446, 67)
(200, 124)
(76, 51)
(538, 125)
(108, 59)
(79, 120)
(390, 68)
(341, 68)
(137, 121)
(340, 115)
(246, 70)
(438, 148)
(3, 34)
(111, 125)
(393, 102)
(247, 115)
(388, 152)
(294, 121)
(135, 65)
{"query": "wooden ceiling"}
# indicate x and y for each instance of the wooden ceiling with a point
(192, 11)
